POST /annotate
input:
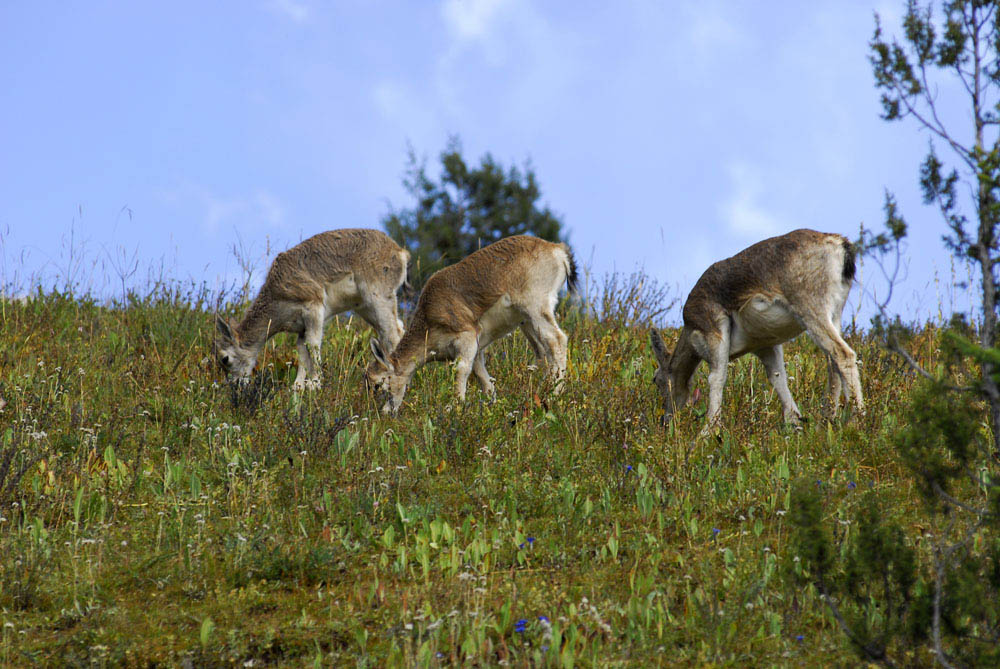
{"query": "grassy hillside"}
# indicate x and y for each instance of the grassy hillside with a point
(162, 519)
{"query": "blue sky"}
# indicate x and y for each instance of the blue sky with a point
(668, 134)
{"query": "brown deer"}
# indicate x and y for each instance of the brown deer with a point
(755, 301)
(463, 308)
(309, 284)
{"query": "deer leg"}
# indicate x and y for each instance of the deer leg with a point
(717, 348)
(479, 365)
(555, 340)
(535, 342)
(466, 348)
(304, 361)
(681, 368)
(560, 352)
(380, 313)
(551, 342)
(844, 360)
(774, 362)
(479, 369)
(834, 386)
(314, 320)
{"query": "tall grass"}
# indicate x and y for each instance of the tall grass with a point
(157, 517)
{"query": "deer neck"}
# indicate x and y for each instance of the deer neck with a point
(257, 326)
(411, 352)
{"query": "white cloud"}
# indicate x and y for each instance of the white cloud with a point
(516, 42)
(709, 28)
(296, 10)
(510, 41)
(218, 210)
(472, 20)
(257, 210)
(390, 99)
(742, 211)
(268, 208)
(402, 105)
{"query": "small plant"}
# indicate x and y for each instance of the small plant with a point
(311, 429)
(248, 397)
(21, 569)
(16, 460)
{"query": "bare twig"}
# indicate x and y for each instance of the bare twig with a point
(955, 502)
(872, 653)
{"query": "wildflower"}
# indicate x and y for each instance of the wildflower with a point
(799, 638)
(851, 485)
(628, 468)
(520, 626)
(543, 620)
(715, 532)
(531, 540)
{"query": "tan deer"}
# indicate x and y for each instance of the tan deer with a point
(309, 284)
(465, 307)
(754, 302)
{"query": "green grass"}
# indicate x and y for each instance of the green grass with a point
(159, 521)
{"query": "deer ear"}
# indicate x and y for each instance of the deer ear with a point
(223, 328)
(379, 354)
(659, 349)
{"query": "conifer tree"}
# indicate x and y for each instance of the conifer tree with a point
(465, 209)
(891, 599)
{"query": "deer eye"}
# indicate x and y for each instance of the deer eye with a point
(225, 360)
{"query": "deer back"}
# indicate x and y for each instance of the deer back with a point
(795, 265)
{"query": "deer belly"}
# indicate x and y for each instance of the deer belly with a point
(760, 323)
(499, 320)
(341, 295)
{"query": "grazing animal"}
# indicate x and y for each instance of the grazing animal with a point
(752, 303)
(463, 308)
(309, 284)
